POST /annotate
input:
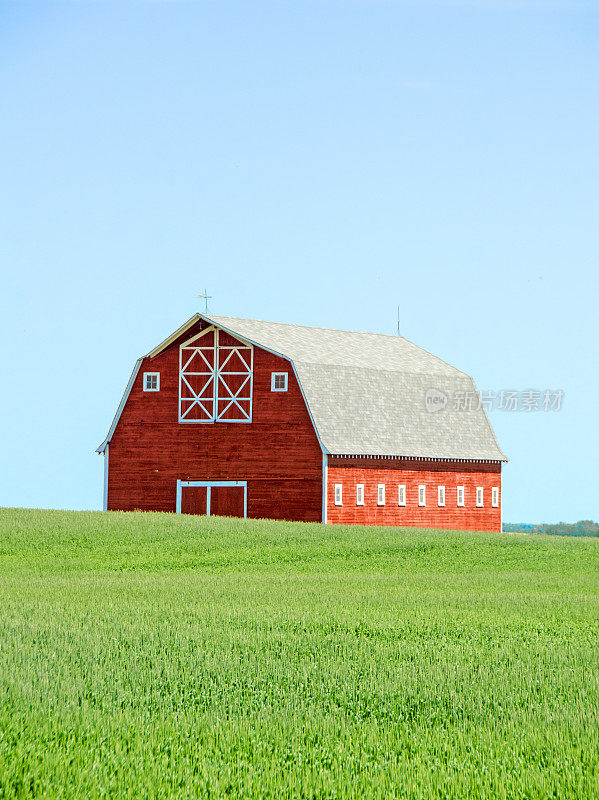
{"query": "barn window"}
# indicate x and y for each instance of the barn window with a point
(338, 494)
(495, 496)
(360, 494)
(215, 378)
(401, 495)
(151, 381)
(460, 495)
(278, 382)
(479, 497)
(422, 495)
(381, 494)
(441, 495)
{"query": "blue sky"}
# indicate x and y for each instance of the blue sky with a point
(315, 162)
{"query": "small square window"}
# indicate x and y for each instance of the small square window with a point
(401, 495)
(479, 497)
(360, 494)
(495, 497)
(441, 495)
(151, 381)
(278, 382)
(338, 494)
(460, 495)
(422, 495)
(381, 494)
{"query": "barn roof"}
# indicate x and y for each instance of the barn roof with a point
(366, 391)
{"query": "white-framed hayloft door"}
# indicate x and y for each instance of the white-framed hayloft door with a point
(215, 378)
(224, 498)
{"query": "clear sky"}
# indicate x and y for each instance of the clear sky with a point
(316, 162)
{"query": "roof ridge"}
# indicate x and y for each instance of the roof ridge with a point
(309, 327)
(391, 336)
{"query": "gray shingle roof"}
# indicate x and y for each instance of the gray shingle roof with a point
(366, 392)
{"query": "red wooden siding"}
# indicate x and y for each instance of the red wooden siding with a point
(277, 453)
(412, 474)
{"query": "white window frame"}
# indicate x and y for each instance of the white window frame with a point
(422, 495)
(480, 497)
(401, 494)
(441, 496)
(495, 496)
(216, 374)
(461, 496)
(273, 381)
(147, 377)
(359, 494)
(338, 494)
(380, 494)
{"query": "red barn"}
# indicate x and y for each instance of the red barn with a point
(247, 418)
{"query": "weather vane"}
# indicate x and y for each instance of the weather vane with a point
(205, 296)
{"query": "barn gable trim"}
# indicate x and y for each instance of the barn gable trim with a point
(121, 406)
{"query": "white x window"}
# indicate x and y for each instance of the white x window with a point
(215, 378)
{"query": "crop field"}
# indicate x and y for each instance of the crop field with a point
(156, 656)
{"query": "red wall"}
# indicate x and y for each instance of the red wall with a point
(413, 473)
(277, 453)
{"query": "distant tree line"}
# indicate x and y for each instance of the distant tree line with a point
(585, 527)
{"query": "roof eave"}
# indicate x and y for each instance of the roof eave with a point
(397, 457)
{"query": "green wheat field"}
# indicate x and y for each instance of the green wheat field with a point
(156, 656)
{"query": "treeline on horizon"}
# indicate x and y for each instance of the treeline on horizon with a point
(585, 527)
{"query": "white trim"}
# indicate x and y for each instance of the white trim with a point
(461, 497)
(380, 494)
(338, 494)
(105, 494)
(325, 480)
(273, 380)
(480, 489)
(174, 336)
(119, 410)
(422, 495)
(401, 494)
(440, 496)
(359, 494)
(216, 376)
(148, 375)
(495, 497)
(209, 484)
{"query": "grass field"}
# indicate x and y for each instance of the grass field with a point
(149, 655)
